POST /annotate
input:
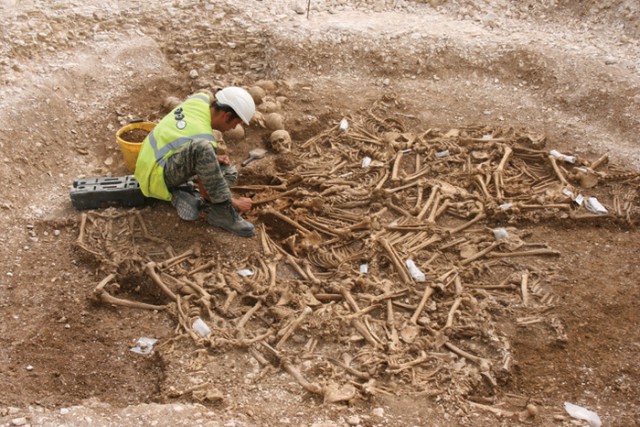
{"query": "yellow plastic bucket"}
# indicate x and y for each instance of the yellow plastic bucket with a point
(129, 149)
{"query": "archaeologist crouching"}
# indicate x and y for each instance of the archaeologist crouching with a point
(182, 146)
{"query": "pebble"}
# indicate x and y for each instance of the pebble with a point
(353, 420)
(19, 421)
(378, 412)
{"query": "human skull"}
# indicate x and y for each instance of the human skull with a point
(235, 134)
(280, 141)
(274, 121)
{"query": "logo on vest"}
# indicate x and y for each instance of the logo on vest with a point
(180, 124)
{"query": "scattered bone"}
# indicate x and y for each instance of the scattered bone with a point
(100, 293)
(292, 327)
(332, 216)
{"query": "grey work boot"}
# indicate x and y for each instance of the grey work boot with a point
(225, 216)
(187, 204)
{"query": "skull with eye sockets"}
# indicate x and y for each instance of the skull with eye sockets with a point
(280, 141)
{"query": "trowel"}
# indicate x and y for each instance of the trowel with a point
(255, 154)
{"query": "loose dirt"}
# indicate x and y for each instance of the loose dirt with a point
(134, 135)
(74, 73)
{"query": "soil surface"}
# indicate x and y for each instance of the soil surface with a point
(563, 72)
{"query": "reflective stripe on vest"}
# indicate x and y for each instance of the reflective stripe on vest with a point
(173, 145)
(166, 137)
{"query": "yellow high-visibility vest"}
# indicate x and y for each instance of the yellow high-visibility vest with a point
(186, 122)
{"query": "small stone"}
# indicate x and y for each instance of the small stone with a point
(29, 368)
(193, 74)
(378, 412)
(300, 7)
(353, 420)
(19, 421)
(56, 232)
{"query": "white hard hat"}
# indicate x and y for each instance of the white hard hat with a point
(238, 99)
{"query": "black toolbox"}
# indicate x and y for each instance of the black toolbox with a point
(94, 193)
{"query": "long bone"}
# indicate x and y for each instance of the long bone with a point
(602, 160)
(452, 312)
(397, 368)
(260, 187)
(373, 299)
(483, 186)
(480, 254)
(442, 209)
(349, 369)
(408, 241)
(194, 250)
(206, 266)
(417, 174)
(558, 172)
(184, 321)
(307, 269)
(498, 173)
(150, 269)
(435, 190)
(524, 253)
(402, 187)
(530, 411)
(431, 240)
(434, 209)
(83, 224)
(428, 291)
(396, 166)
(286, 219)
(479, 216)
(525, 289)
(292, 327)
(293, 263)
(383, 180)
(101, 294)
(390, 322)
(395, 259)
(294, 372)
(398, 209)
(275, 197)
(545, 206)
(362, 328)
(365, 331)
(361, 312)
(484, 364)
(244, 319)
(327, 230)
(421, 185)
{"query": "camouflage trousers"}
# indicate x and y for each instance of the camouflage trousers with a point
(198, 158)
